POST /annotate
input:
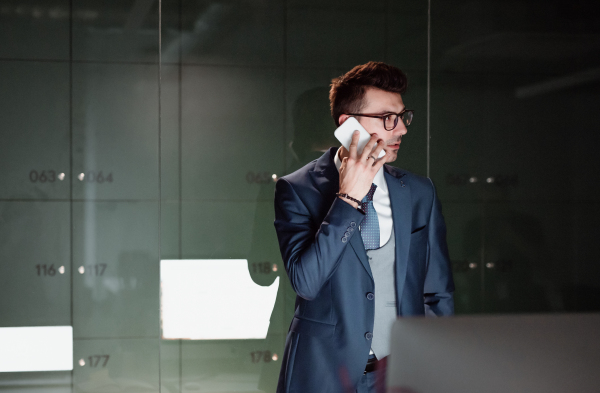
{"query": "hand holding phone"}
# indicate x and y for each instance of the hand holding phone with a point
(344, 134)
(358, 171)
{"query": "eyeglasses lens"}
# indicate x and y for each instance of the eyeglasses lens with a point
(407, 117)
(390, 121)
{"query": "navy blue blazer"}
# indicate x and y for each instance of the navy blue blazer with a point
(328, 342)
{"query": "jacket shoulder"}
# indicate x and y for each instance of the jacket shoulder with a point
(419, 184)
(414, 178)
(300, 177)
(298, 187)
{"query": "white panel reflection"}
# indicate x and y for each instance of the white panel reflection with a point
(213, 299)
(39, 348)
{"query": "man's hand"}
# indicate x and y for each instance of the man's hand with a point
(358, 171)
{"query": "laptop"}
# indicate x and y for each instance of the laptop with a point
(542, 353)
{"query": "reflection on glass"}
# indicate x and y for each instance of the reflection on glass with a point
(39, 348)
(213, 299)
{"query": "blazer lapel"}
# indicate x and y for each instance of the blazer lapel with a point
(359, 248)
(401, 204)
(327, 180)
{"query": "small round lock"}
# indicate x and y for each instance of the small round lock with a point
(369, 335)
(370, 296)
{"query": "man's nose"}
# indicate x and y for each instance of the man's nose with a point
(400, 128)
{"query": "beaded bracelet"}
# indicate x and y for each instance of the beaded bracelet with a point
(359, 208)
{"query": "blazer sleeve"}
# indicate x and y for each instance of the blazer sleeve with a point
(311, 254)
(439, 284)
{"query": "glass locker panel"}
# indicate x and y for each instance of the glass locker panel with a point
(35, 271)
(329, 38)
(406, 45)
(464, 237)
(170, 366)
(34, 30)
(230, 230)
(34, 155)
(529, 257)
(170, 35)
(231, 33)
(227, 366)
(585, 294)
(232, 132)
(170, 227)
(170, 142)
(336, 4)
(122, 365)
(514, 37)
(116, 270)
(115, 131)
(488, 144)
(579, 108)
(115, 31)
(457, 134)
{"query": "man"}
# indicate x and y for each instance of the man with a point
(362, 243)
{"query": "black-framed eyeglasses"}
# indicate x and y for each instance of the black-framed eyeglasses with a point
(390, 120)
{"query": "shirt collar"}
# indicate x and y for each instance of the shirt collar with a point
(379, 179)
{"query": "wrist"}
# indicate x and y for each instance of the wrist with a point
(350, 200)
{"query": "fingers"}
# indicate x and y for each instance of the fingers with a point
(369, 146)
(354, 144)
(378, 148)
(344, 164)
(378, 163)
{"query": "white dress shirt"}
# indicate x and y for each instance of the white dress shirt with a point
(381, 202)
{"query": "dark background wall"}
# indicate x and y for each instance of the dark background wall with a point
(119, 149)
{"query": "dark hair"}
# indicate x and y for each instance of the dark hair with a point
(347, 91)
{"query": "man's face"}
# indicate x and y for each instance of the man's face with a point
(379, 102)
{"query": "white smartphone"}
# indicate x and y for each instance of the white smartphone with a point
(345, 131)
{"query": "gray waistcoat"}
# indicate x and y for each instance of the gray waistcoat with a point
(382, 266)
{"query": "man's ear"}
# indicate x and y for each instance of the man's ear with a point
(342, 119)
